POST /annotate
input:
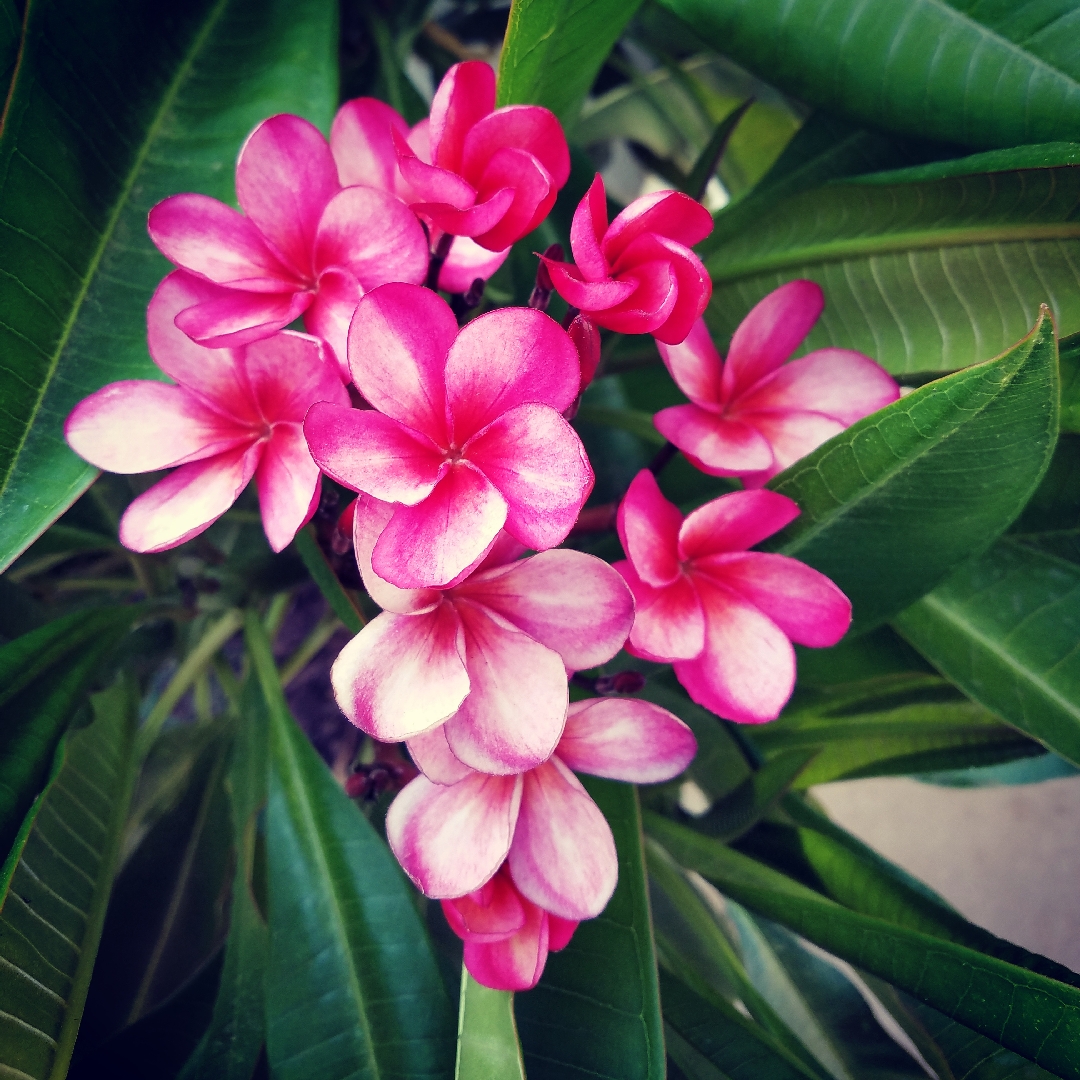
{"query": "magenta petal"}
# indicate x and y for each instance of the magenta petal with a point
(402, 674)
(719, 445)
(695, 366)
(669, 214)
(287, 479)
(560, 931)
(288, 372)
(490, 913)
(694, 288)
(804, 603)
(586, 231)
(504, 359)
(475, 220)
(464, 97)
(285, 176)
(466, 262)
(331, 312)
(735, 522)
(649, 305)
(791, 435)
(136, 426)
(369, 452)
(514, 714)
(209, 238)
(362, 143)
(770, 334)
(515, 962)
(374, 236)
(450, 840)
(571, 602)
(649, 530)
(398, 343)
(534, 196)
(432, 755)
(668, 621)
(563, 855)
(746, 671)
(625, 739)
(586, 339)
(188, 500)
(588, 295)
(428, 184)
(234, 318)
(426, 546)
(531, 128)
(539, 466)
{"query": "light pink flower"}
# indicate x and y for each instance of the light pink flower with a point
(465, 437)
(724, 616)
(486, 658)
(452, 828)
(235, 413)
(507, 937)
(754, 415)
(493, 173)
(303, 246)
(638, 274)
(362, 141)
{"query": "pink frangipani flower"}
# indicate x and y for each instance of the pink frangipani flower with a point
(235, 413)
(487, 659)
(362, 141)
(303, 246)
(465, 436)
(754, 415)
(725, 617)
(452, 828)
(507, 937)
(638, 274)
(493, 173)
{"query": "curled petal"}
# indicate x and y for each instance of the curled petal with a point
(466, 262)
(648, 527)
(586, 339)
(362, 142)
(477, 220)
(770, 334)
(804, 603)
(232, 318)
(504, 359)
(464, 97)
(563, 855)
(288, 482)
(514, 714)
(432, 755)
(285, 176)
(649, 306)
(491, 913)
(188, 501)
(428, 545)
(718, 445)
(668, 621)
(534, 196)
(734, 522)
(625, 739)
(515, 962)
(402, 674)
(791, 435)
(587, 230)
(694, 288)
(451, 840)
(431, 185)
(530, 128)
(591, 296)
(287, 373)
(669, 214)
(746, 671)
(695, 366)
(536, 461)
(571, 602)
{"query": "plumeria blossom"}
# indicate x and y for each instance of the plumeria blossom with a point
(754, 415)
(638, 274)
(507, 937)
(465, 435)
(491, 174)
(304, 244)
(725, 617)
(485, 660)
(452, 828)
(362, 141)
(234, 414)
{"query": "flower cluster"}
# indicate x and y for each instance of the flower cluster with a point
(457, 443)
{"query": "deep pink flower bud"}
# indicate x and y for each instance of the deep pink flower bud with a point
(754, 415)
(493, 174)
(638, 274)
(586, 339)
(725, 617)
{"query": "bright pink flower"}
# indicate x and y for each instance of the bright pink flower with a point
(362, 141)
(452, 828)
(235, 413)
(306, 245)
(724, 616)
(754, 415)
(466, 435)
(507, 937)
(638, 274)
(493, 173)
(486, 658)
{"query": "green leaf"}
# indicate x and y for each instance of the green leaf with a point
(553, 50)
(1069, 358)
(487, 1042)
(1029, 1013)
(55, 887)
(596, 1010)
(893, 503)
(1004, 629)
(349, 956)
(117, 106)
(323, 575)
(10, 36)
(635, 421)
(923, 275)
(924, 68)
